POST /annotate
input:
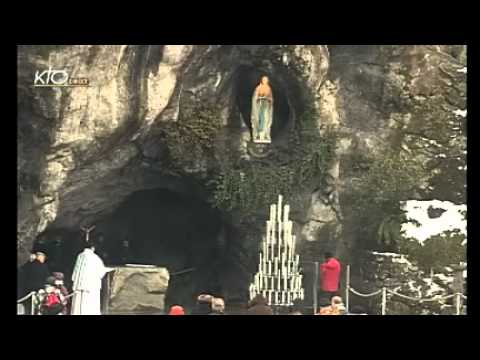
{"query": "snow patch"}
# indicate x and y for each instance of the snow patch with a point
(386, 254)
(462, 113)
(451, 219)
(444, 278)
(433, 289)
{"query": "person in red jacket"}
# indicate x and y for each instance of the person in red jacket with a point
(329, 276)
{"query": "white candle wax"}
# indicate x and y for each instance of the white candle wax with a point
(269, 268)
(289, 298)
(286, 211)
(279, 208)
(269, 298)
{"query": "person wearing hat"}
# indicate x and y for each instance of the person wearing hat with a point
(176, 310)
(36, 273)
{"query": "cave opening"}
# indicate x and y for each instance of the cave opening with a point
(155, 227)
(247, 79)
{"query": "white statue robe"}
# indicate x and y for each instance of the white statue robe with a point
(87, 283)
(262, 117)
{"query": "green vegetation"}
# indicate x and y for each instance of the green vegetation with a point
(253, 185)
(391, 178)
(193, 135)
(437, 251)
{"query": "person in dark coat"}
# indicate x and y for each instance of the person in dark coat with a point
(204, 305)
(22, 273)
(37, 273)
(258, 306)
(297, 308)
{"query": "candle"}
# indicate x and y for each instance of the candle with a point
(269, 298)
(278, 276)
(279, 244)
(286, 211)
(269, 267)
(285, 283)
(275, 265)
(279, 208)
(289, 298)
(290, 249)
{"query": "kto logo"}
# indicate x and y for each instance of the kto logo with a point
(54, 78)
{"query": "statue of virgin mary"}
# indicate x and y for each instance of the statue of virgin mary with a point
(262, 112)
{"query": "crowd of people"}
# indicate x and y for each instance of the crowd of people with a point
(330, 301)
(50, 294)
(209, 305)
(52, 298)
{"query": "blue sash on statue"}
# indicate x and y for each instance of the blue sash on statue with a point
(261, 112)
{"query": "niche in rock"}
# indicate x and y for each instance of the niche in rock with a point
(246, 80)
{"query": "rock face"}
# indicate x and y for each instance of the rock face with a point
(176, 116)
(138, 290)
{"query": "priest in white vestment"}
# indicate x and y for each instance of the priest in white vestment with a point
(87, 282)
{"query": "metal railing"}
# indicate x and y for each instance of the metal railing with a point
(384, 291)
(34, 303)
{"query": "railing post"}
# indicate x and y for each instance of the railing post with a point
(32, 306)
(458, 286)
(347, 290)
(315, 287)
(108, 293)
(458, 302)
(384, 300)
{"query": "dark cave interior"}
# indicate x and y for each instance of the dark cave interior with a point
(155, 227)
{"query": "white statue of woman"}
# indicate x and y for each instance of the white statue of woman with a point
(262, 112)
